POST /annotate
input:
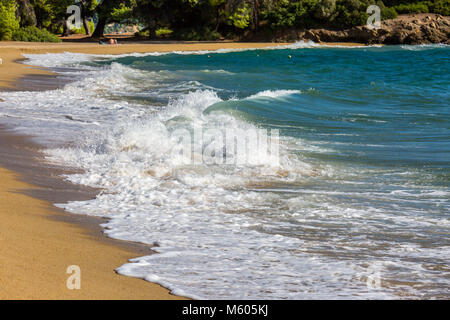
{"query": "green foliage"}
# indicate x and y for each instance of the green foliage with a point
(8, 22)
(412, 8)
(163, 32)
(122, 13)
(420, 6)
(205, 19)
(33, 34)
(285, 14)
(280, 16)
(197, 34)
(160, 33)
(439, 6)
(321, 13)
(143, 33)
(388, 13)
(240, 18)
(325, 9)
(352, 13)
(216, 3)
(82, 30)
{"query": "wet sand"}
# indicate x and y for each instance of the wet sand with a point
(39, 241)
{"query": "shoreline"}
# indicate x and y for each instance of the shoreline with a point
(41, 241)
(30, 188)
(12, 53)
(51, 239)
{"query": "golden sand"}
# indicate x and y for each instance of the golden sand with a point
(36, 251)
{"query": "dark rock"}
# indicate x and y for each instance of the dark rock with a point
(432, 29)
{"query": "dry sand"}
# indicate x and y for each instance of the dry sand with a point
(35, 250)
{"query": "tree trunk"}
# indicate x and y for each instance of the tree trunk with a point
(100, 28)
(26, 14)
(104, 10)
(217, 19)
(66, 28)
(153, 32)
(255, 14)
(86, 26)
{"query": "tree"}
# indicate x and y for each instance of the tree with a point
(325, 9)
(204, 19)
(112, 11)
(255, 9)
(8, 21)
(25, 11)
(218, 6)
(87, 11)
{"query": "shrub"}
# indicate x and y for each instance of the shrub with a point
(143, 33)
(82, 30)
(441, 7)
(325, 9)
(412, 8)
(386, 13)
(351, 13)
(33, 34)
(432, 6)
(323, 13)
(163, 32)
(296, 13)
(197, 35)
(240, 19)
(8, 22)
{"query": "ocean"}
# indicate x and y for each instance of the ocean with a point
(352, 201)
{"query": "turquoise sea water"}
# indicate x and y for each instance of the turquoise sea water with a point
(358, 206)
(375, 107)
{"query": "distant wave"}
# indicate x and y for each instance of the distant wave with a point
(50, 60)
(421, 47)
(274, 93)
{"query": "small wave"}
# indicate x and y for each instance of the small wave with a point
(220, 71)
(274, 93)
(79, 60)
(53, 60)
(422, 47)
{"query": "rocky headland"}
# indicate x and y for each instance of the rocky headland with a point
(423, 28)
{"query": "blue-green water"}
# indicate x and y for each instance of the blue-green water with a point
(357, 205)
(378, 106)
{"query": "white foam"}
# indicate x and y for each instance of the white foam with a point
(422, 47)
(51, 60)
(274, 93)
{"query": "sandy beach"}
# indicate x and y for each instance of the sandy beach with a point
(36, 252)
(38, 243)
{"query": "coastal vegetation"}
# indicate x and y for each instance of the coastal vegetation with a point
(34, 34)
(34, 20)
